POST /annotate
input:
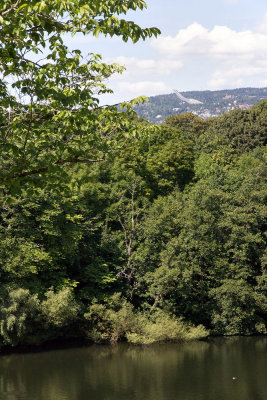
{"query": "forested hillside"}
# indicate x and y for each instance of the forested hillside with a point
(213, 103)
(165, 239)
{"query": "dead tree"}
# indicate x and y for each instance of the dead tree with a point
(129, 230)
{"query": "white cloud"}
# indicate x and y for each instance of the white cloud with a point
(230, 75)
(215, 58)
(233, 55)
(141, 77)
(125, 90)
(262, 27)
(145, 68)
(221, 42)
(147, 88)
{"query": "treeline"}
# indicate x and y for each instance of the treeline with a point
(165, 239)
(215, 102)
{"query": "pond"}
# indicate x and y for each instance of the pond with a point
(190, 371)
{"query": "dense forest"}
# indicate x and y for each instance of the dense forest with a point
(165, 237)
(112, 228)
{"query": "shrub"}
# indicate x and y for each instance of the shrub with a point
(19, 311)
(60, 308)
(117, 321)
(162, 327)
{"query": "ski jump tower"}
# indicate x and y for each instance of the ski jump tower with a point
(189, 101)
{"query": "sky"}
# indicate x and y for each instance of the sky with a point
(204, 45)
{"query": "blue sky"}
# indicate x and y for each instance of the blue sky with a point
(207, 44)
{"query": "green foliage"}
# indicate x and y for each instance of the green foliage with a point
(50, 114)
(190, 124)
(237, 305)
(171, 165)
(164, 240)
(25, 319)
(162, 327)
(214, 104)
(133, 252)
(111, 322)
(117, 321)
(19, 315)
(60, 308)
(238, 130)
(39, 233)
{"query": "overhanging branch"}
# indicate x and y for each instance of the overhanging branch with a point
(57, 163)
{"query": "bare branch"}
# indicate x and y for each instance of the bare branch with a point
(124, 231)
(10, 9)
(129, 232)
(157, 299)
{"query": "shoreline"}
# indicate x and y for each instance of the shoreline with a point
(59, 344)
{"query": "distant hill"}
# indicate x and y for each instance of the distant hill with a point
(214, 103)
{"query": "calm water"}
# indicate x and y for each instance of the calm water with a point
(195, 371)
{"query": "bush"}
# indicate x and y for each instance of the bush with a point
(19, 313)
(60, 308)
(118, 321)
(162, 327)
(111, 322)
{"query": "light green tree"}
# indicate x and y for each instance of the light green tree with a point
(50, 114)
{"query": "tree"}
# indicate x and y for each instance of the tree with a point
(190, 124)
(239, 130)
(50, 114)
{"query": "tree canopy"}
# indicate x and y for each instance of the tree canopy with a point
(49, 96)
(165, 241)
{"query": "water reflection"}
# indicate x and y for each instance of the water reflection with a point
(191, 371)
